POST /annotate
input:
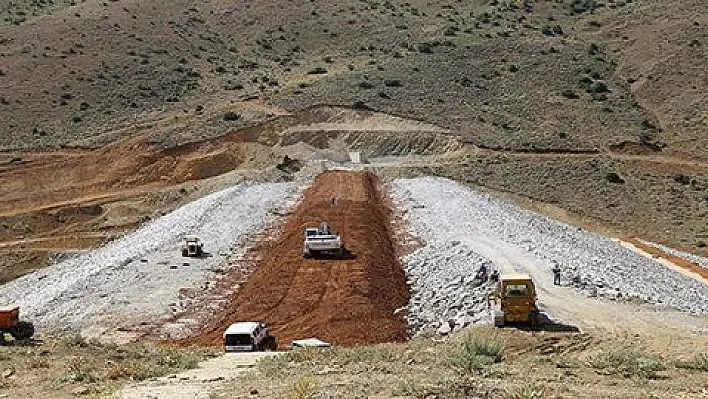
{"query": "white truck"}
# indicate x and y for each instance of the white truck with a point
(248, 336)
(322, 240)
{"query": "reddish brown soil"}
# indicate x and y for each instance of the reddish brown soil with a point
(67, 193)
(347, 301)
(678, 261)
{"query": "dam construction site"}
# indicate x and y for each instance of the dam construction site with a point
(371, 199)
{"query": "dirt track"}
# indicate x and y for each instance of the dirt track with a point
(345, 302)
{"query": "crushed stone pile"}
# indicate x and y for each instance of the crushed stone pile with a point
(445, 293)
(441, 212)
(138, 278)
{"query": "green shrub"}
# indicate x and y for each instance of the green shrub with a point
(628, 362)
(317, 71)
(698, 362)
(598, 87)
(479, 348)
(682, 179)
(526, 392)
(614, 178)
(75, 340)
(231, 116)
(393, 83)
(425, 48)
(569, 93)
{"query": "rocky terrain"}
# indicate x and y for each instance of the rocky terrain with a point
(141, 278)
(501, 134)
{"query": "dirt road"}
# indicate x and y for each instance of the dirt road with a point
(199, 382)
(347, 301)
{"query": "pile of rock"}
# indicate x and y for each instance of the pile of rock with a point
(445, 292)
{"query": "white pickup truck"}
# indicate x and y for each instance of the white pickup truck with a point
(322, 240)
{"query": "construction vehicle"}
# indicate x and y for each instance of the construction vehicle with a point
(322, 240)
(192, 247)
(248, 336)
(10, 323)
(514, 300)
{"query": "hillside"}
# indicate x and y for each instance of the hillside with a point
(597, 108)
(500, 76)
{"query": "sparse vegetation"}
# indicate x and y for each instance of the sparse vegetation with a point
(317, 71)
(304, 388)
(528, 391)
(476, 362)
(479, 348)
(614, 178)
(231, 116)
(628, 362)
(63, 365)
(698, 362)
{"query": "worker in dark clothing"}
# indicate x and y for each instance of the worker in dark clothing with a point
(556, 273)
(482, 273)
(494, 277)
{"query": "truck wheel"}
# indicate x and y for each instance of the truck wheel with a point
(498, 318)
(270, 344)
(534, 319)
(23, 330)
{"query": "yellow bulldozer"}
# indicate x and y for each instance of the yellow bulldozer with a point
(514, 300)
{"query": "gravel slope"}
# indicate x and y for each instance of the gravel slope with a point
(463, 228)
(138, 278)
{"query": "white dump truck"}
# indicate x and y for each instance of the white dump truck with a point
(322, 240)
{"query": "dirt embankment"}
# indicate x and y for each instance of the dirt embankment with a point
(343, 301)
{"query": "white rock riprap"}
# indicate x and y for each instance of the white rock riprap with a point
(444, 292)
(442, 211)
(139, 276)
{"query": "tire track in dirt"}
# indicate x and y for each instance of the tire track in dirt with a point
(347, 301)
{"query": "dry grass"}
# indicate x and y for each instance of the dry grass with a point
(478, 349)
(486, 362)
(628, 362)
(304, 388)
(64, 364)
(698, 362)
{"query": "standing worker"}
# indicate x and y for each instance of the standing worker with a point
(556, 273)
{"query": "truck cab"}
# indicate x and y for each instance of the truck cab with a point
(514, 300)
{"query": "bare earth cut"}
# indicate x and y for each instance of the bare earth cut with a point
(348, 301)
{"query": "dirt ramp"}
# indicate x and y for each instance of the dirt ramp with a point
(343, 301)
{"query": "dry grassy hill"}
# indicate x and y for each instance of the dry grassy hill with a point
(598, 107)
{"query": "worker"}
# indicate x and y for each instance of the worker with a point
(556, 273)
(482, 272)
(494, 276)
